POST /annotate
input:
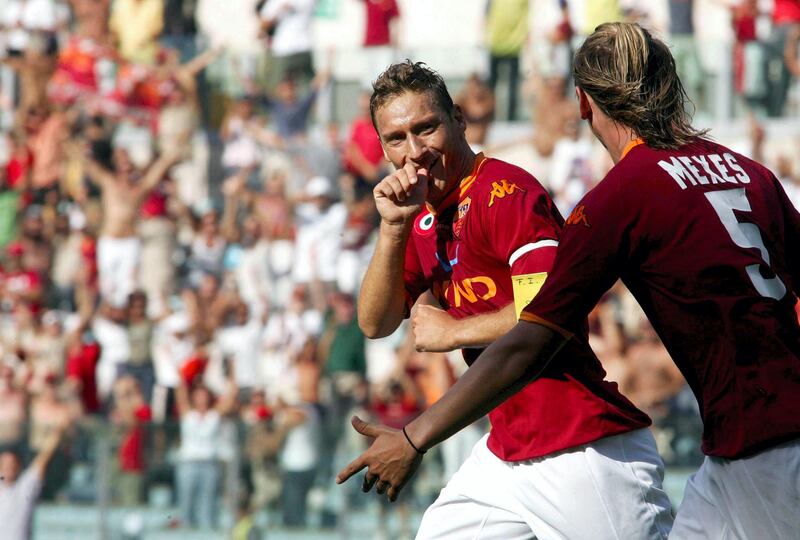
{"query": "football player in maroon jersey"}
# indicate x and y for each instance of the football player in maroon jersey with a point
(706, 240)
(481, 235)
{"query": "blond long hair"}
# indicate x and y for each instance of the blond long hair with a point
(631, 76)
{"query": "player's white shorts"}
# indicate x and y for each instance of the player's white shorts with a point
(752, 498)
(608, 489)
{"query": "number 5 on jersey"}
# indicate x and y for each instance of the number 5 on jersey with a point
(745, 235)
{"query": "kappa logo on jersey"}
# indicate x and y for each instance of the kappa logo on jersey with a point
(501, 189)
(425, 224)
(578, 217)
(471, 290)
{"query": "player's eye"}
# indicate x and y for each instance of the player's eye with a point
(394, 141)
(428, 129)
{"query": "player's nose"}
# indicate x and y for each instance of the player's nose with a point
(418, 151)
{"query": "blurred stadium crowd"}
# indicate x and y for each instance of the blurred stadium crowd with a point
(184, 228)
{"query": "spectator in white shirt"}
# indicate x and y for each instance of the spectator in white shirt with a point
(232, 25)
(288, 22)
(320, 225)
(285, 335)
(198, 471)
(19, 492)
(239, 345)
(30, 23)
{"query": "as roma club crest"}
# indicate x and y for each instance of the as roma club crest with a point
(463, 208)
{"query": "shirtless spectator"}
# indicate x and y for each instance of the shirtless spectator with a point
(45, 130)
(37, 245)
(123, 191)
(12, 411)
(48, 414)
(30, 45)
(656, 378)
(47, 348)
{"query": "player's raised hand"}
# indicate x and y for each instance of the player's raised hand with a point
(390, 460)
(433, 329)
(400, 196)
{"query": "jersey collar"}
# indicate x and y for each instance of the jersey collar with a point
(459, 190)
(630, 146)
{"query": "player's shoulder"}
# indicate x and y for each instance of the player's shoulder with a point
(497, 179)
(702, 154)
(492, 170)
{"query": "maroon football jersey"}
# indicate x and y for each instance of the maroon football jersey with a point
(504, 224)
(707, 242)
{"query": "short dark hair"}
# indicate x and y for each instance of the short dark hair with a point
(409, 76)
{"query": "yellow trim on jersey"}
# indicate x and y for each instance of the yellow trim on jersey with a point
(525, 287)
(630, 146)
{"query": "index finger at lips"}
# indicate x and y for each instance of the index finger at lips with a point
(355, 466)
(411, 171)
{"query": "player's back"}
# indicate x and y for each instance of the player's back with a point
(709, 235)
(704, 239)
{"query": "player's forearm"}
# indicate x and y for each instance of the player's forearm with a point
(482, 330)
(503, 369)
(381, 302)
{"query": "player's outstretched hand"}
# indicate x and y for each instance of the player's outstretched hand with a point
(433, 329)
(390, 460)
(400, 196)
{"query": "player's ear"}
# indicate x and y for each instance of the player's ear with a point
(584, 103)
(458, 116)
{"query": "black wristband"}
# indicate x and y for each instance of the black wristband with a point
(420, 452)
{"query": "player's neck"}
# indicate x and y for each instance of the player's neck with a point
(465, 162)
(615, 137)
(462, 167)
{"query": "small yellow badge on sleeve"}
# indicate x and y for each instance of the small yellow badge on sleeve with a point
(526, 287)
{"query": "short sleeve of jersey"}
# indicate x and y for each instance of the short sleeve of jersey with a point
(519, 221)
(593, 246)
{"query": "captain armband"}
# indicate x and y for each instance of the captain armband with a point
(525, 287)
